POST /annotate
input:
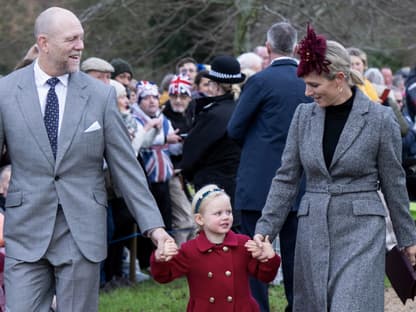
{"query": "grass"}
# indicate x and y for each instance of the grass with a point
(150, 296)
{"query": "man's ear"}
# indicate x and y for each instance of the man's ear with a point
(42, 43)
(268, 48)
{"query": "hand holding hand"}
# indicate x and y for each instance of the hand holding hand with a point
(260, 248)
(166, 251)
(159, 237)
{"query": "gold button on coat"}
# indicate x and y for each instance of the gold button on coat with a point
(225, 248)
(227, 273)
(230, 299)
(211, 299)
(210, 275)
(209, 250)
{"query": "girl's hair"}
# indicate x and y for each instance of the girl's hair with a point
(205, 195)
(340, 62)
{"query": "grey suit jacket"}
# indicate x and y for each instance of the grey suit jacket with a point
(75, 180)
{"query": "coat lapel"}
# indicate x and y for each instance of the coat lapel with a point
(355, 122)
(317, 133)
(27, 100)
(76, 100)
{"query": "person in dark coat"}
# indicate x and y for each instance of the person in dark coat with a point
(209, 155)
(179, 110)
(260, 125)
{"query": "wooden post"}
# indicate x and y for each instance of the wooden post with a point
(133, 256)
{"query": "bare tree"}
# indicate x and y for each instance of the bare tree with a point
(154, 35)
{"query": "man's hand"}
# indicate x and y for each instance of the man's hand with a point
(159, 236)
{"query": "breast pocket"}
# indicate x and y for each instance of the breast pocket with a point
(93, 142)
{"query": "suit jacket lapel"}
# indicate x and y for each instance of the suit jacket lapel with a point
(317, 133)
(76, 100)
(27, 100)
(355, 122)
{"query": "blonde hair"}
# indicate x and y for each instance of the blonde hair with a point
(352, 51)
(340, 62)
(205, 195)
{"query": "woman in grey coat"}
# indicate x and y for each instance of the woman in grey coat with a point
(348, 147)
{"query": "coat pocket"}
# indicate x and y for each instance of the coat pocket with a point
(100, 197)
(303, 208)
(14, 199)
(365, 207)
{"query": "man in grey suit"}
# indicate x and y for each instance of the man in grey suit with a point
(59, 124)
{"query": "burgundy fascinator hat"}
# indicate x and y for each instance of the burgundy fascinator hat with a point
(311, 50)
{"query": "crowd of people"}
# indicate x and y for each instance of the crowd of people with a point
(295, 139)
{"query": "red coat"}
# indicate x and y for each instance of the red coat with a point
(217, 274)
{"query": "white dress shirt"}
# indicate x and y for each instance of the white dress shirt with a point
(43, 87)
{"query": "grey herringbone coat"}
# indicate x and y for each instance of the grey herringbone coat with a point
(340, 251)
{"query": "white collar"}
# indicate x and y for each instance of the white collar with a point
(41, 77)
(285, 58)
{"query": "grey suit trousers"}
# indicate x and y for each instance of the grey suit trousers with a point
(63, 270)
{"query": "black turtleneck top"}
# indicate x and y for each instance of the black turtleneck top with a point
(335, 119)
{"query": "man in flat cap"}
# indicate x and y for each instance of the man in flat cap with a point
(98, 68)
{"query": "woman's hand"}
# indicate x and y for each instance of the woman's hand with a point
(411, 254)
(153, 123)
(173, 138)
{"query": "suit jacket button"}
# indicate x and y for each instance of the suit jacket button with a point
(228, 273)
(210, 275)
(225, 248)
(211, 299)
(230, 299)
(57, 178)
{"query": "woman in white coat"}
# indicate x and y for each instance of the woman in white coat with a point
(348, 147)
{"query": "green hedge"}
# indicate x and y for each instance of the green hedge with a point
(413, 210)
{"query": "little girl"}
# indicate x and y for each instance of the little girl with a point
(217, 263)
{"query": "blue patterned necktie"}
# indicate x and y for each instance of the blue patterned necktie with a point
(51, 117)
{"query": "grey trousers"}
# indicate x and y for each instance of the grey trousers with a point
(63, 271)
(182, 216)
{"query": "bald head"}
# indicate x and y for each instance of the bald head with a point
(46, 22)
(60, 39)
